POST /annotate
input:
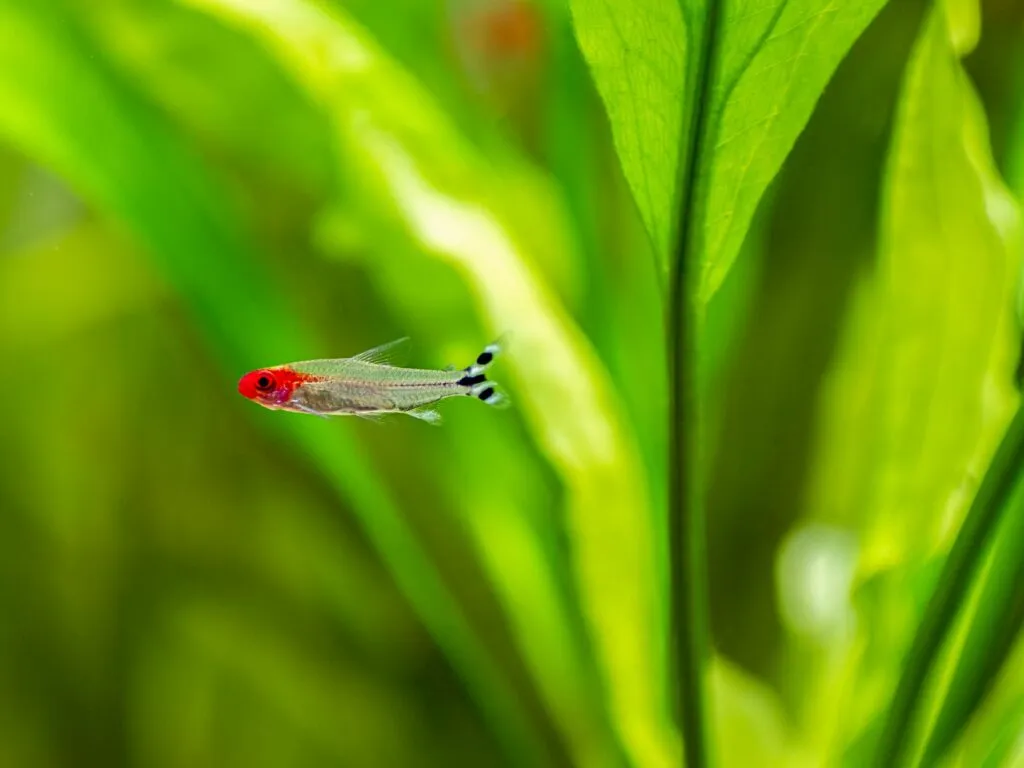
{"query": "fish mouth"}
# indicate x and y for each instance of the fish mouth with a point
(245, 388)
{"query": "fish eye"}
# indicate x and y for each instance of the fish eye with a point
(265, 381)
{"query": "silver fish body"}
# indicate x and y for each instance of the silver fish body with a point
(353, 386)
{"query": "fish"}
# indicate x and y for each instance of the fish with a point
(371, 385)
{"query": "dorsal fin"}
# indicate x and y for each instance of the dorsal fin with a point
(392, 353)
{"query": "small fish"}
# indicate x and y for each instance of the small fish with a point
(369, 385)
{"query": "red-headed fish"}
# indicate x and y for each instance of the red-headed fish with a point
(369, 385)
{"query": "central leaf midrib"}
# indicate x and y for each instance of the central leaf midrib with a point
(686, 523)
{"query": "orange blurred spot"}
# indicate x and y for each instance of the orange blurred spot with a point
(507, 29)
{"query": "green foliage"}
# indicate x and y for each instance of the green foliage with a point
(193, 188)
(565, 396)
(941, 136)
(644, 95)
(771, 63)
(991, 621)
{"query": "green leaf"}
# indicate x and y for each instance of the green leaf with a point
(203, 649)
(63, 308)
(61, 104)
(992, 738)
(638, 54)
(944, 205)
(749, 722)
(949, 250)
(921, 387)
(148, 42)
(990, 624)
(774, 60)
(409, 171)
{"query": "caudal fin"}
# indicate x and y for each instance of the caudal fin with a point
(476, 382)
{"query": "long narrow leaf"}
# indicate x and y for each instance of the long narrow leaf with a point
(945, 204)
(991, 626)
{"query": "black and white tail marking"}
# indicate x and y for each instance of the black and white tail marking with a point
(476, 379)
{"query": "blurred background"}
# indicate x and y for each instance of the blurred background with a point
(190, 189)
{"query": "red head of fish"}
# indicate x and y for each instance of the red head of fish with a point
(269, 386)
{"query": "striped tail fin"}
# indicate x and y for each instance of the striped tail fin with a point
(477, 383)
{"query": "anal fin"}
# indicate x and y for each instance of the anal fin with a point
(428, 415)
(374, 416)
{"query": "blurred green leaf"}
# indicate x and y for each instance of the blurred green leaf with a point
(186, 62)
(948, 250)
(992, 737)
(920, 388)
(749, 723)
(945, 204)
(990, 624)
(61, 307)
(307, 701)
(773, 61)
(61, 103)
(410, 164)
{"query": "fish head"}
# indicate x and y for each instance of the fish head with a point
(269, 387)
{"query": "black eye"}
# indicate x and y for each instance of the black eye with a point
(263, 382)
